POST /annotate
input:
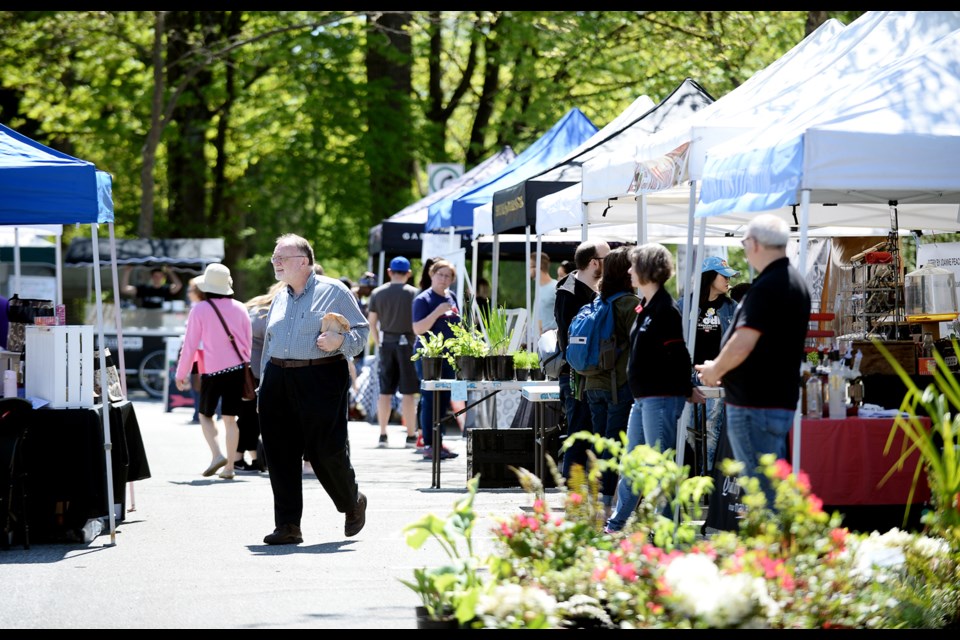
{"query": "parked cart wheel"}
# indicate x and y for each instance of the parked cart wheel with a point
(152, 372)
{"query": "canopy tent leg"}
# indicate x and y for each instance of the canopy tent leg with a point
(121, 361)
(802, 260)
(495, 276)
(104, 393)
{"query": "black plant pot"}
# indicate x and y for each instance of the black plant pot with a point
(522, 374)
(537, 374)
(424, 621)
(432, 368)
(469, 368)
(499, 367)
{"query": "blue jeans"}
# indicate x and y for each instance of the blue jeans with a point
(577, 415)
(653, 415)
(754, 432)
(609, 420)
(426, 401)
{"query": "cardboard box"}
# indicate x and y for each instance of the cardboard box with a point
(904, 352)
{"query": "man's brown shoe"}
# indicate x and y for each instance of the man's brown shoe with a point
(356, 518)
(284, 534)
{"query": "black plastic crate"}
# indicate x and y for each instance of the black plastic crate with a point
(490, 452)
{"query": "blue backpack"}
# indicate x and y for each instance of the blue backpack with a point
(592, 343)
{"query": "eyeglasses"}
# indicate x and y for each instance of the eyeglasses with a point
(280, 259)
(599, 259)
(743, 243)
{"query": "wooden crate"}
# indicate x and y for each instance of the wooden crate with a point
(874, 362)
(59, 365)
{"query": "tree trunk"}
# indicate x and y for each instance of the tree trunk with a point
(147, 187)
(389, 139)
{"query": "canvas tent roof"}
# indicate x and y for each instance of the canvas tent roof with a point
(615, 176)
(186, 253)
(569, 132)
(894, 136)
(618, 139)
(39, 185)
(400, 233)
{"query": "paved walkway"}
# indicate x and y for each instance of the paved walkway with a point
(190, 551)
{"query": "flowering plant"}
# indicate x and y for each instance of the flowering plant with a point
(790, 565)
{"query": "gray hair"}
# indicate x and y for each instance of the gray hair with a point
(652, 262)
(768, 230)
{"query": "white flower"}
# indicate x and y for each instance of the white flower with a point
(702, 592)
(930, 547)
(512, 605)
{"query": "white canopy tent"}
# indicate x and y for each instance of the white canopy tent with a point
(32, 236)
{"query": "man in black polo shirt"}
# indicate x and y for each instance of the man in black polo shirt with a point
(761, 352)
(573, 291)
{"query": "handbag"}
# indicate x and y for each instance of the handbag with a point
(20, 313)
(249, 384)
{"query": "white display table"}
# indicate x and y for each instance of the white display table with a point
(487, 387)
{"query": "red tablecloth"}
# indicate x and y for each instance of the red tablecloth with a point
(845, 462)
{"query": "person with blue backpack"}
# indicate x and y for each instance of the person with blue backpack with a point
(658, 369)
(574, 290)
(598, 350)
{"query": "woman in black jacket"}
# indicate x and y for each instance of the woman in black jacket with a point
(658, 369)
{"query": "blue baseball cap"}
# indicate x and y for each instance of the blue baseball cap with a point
(718, 264)
(400, 265)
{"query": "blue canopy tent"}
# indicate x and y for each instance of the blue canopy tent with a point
(39, 185)
(572, 130)
(566, 135)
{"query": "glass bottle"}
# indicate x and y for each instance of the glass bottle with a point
(926, 347)
(814, 408)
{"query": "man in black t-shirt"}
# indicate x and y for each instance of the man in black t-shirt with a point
(158, 291)
(761, 352)
(573, 291)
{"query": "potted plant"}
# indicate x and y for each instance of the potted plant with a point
(433, 349)
(466, 350)
(525, 363)
(499, 365)
(448, 594)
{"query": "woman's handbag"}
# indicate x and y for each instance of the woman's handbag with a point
(249, 384)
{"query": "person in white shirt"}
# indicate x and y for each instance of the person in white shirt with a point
(547, 292)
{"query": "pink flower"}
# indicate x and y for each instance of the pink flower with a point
(781, 469)
(839, 536)
(505, 530)
(575, 498)
(816, 504)
(803, 481)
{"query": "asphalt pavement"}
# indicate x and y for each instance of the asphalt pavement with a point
(189, 552)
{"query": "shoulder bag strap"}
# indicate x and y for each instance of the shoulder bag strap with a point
(229, 335)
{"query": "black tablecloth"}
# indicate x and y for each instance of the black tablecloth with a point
(66, 467)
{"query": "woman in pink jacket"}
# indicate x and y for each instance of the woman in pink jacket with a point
(221, 369)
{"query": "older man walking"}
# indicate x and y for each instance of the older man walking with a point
(313, 326)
